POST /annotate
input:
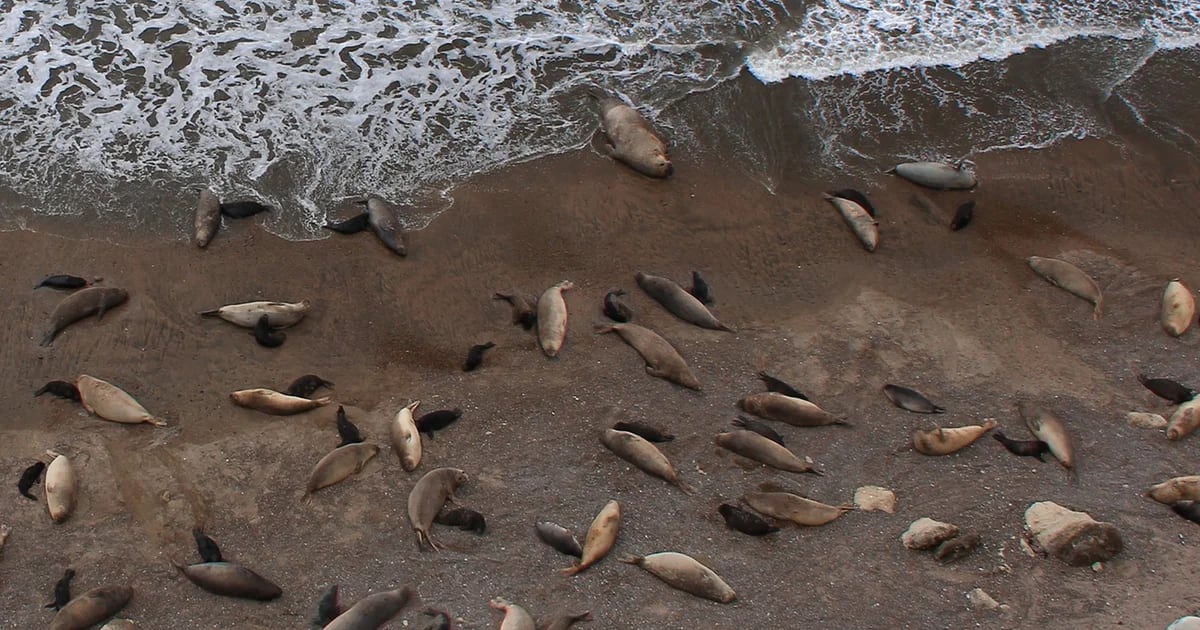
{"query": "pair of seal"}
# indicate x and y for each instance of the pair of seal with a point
(383, 217)
(643, 455)
(601, 537)
(427, 499)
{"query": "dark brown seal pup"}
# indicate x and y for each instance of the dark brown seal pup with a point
(700, 289)
(207, 547)
(230, 580)
(1024, 448)
(745, 522)
(437, 420)
(1167, 389)
(559, 538)
(353, 225)
(631, 139)
(62, 591)
(92, 607)
(304, 386)
(645, 431)
(680, 303)
(266, 335)
(373, 611)
(465, 519)
(1187, 509)
(962, 216)
(85, 303)
(775, 385)
(62, 389)
(750, 424)
(662, 359)
(347, 430)
(62, 281)
(614, 308)
(208, 218)
(29, 478)
(910, 399)
(855, 196)
(427, 499)
(524, 308)
(329, 606)
(243, 209)
(475, 355)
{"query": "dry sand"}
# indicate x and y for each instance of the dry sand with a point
(957, 315)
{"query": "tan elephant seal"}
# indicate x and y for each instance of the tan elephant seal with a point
(82, 304)
(662, 359)
(112, 403)
(552, 318)
(208, 218)
(631, 139)
(92, 607)
(62, 486)
(275, 403)
(427, 499)
(685, 573)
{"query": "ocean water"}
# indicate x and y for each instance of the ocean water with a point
(120, 111)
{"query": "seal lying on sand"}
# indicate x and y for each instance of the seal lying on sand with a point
(679, 302)
(631, 139)
(208, 218)
(1070, 278)
(939, 175)
(247, 315)
(92, 301)
(662, 360)
(383, 217)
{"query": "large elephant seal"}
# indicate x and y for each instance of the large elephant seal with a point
(384, 219)
(552, 318)
(247, 315)
(601, 537)
(943, 441)
(938, 175)
(406, 439)
(662, 360)
(91, 301)
(1176, 489)
(373, 611)
(631, 139)
(339, 464)
(797, 509)
(275, 403)
(427, 499)
(763, 450)
(112, 403)
(679, 302)
(1046, 427)
(92, 607)
(208, 218)
(685, 573)
(794, 411)
(1070, 278)
(231, 580)
(863, 223)
(641, 453)
(515, 617)
(62, 485)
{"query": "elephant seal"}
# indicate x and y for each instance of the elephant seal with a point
(1178, 308)
(347, 430)
(700, 289)
(644, 431)
(243, 209)
(763, 450)
(29, 478)
(910, 399)
(1167, 389)
(614, 308)
(275, 403)
(793, 411)
(962, 216)
(552, 318)
(631, 139)
(406, 439)
(943, 441)
(329, 606)
(750, 424)
(82, 304)
(465, 519)
(559, 538)
(524, 309)
(864, 225)
(515, 617)
(353, 225)
(475, 356)
(62, 485)
(437, 420)
(230, 580)
(427, 498)
(683, 572)
(1024, 448)
(601, 537)
(62, 281)
(564, 622)
(207, 547)
(937, 175)
(1184, 420)
(384, 219)
(1046, 427)
(92, 607)
(373, 611)
(662, 359)
(246, 315)
(745, 522)
(775, 385)
(62, 389)
(643, 455)
(797, 509)
(304, 386)
(62, 591)
(266, 335)
(857, 197)
(112, 403)
(1176, 489)
(680, 303)
(208, 218)
(339, 464)
(1071, 279)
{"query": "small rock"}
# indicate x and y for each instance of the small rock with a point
(1073, 537)
(979, 599)
(1097, 566)
(1143, 420)
(875, 499)
(957, 548)
(926, 533)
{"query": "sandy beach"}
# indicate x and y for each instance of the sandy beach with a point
(958, 316)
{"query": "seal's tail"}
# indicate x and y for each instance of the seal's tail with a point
(213, 313)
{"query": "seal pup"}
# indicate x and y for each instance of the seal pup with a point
(275, 403)
(559, 538)
(112, 403)
(208, 218)
(1046, 427)
(552, 318)
(437, 420)
(62, 281)
(662, 359)
(857, 197)
(631, 139)
(644, 431)
(943, 441)
(62, 389)
(962, 216)
(1184, 420)
(794, 411)
(643, 455)
(937, 175)
(1187, 509)
(207, 547)
(763, 450)
(1178, 308)
(910, 399)
(700, 289)
(1071, 279)
(683, 572)
(62, 485)
(524, 309)
(427, 498)
(515, 617)
(1167, 389)
(92, 607)
(786, 506)
(1024, 448)
(62, 591)
(406, 439)
(614, 308)
(247, 314)
(353, 225)
(339, 464)
(29, 478)
(373, 611)
(266, 335)
(745, 522)
(775, 385)
(465, 519)
(564, 622)
(329, 606)
(347, 430)
(304, 386)
(243, 209)
(750, 424)
(680, 303)
(82, 304)
(864, 225)
(601, 537)
(1176, 489)
(475, 355)
(384, 219)
(230, 580)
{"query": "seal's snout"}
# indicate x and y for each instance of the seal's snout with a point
(669, 170)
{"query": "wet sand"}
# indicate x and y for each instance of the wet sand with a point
(957, 315)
